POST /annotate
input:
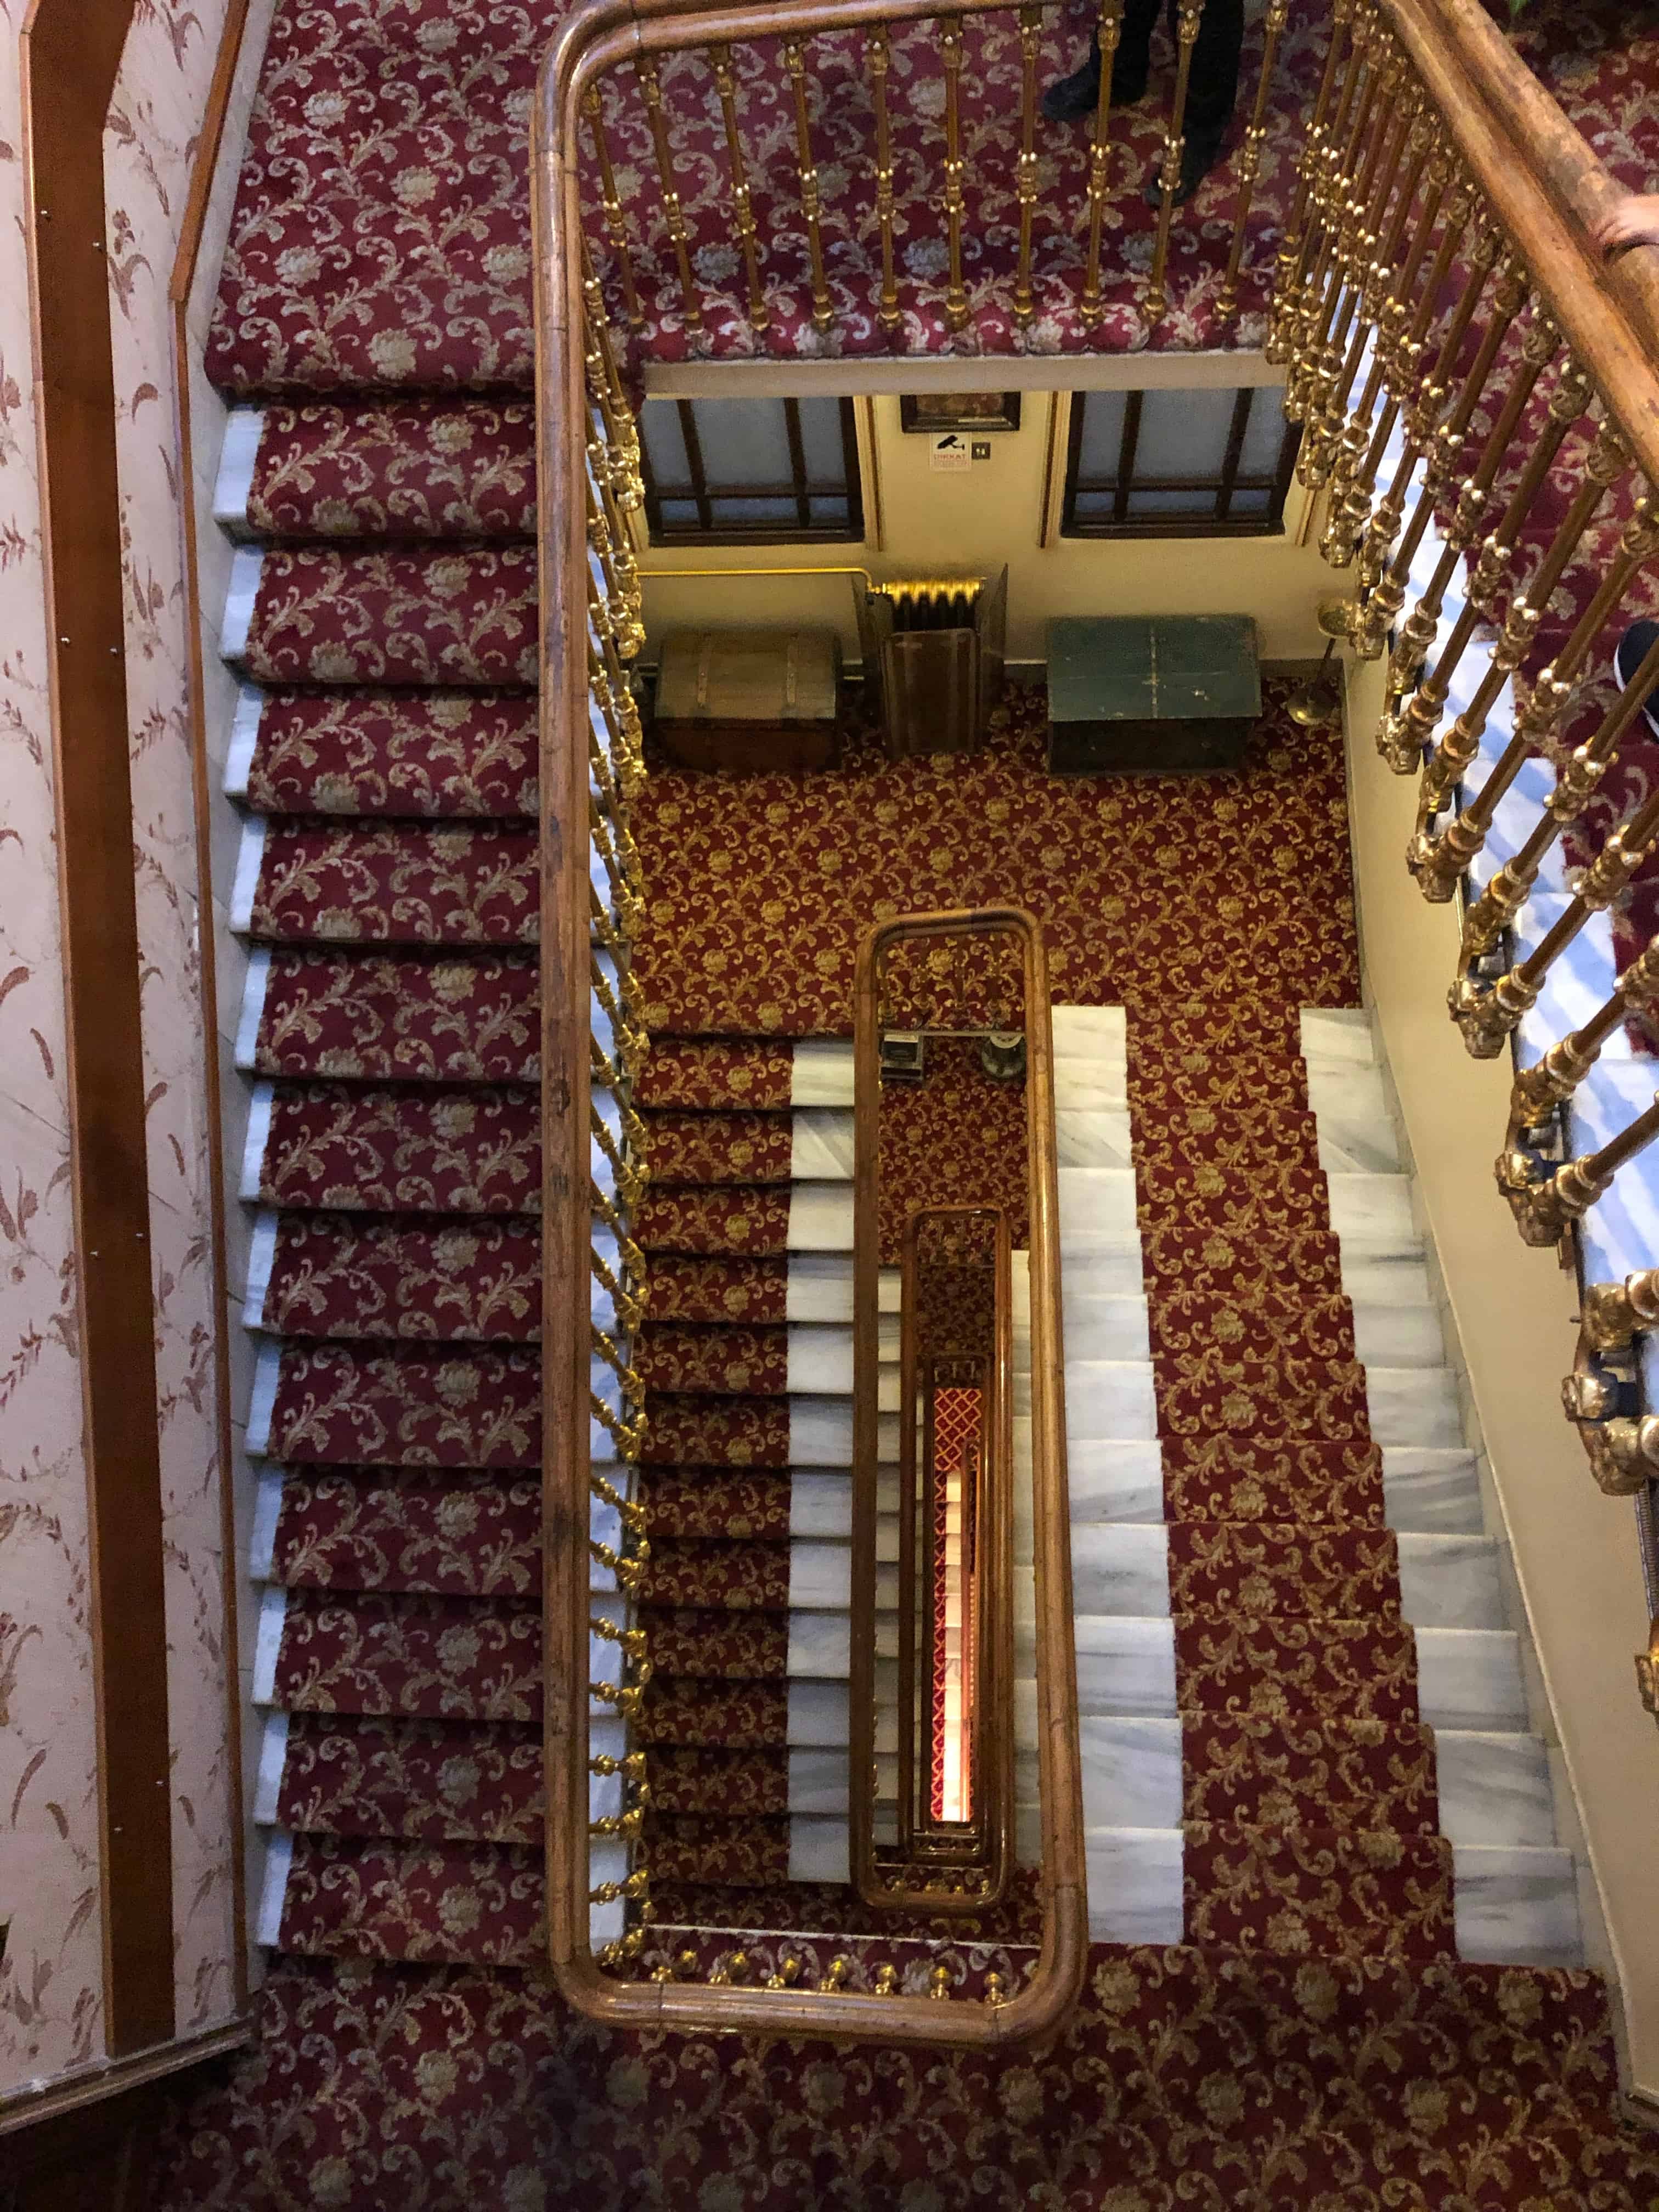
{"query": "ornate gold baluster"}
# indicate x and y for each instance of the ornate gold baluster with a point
(1439, 863)
(1091, 306)
(1294, 257)
(1399, 740)
(1437, 443)
(1186, 20)
(1250, 153)
(1546, 1205)
(1420, 717)
(1509, 889)
(1487, 1014)
(881, 61)
(621, 451)
(956, 295)
(1322, 390)
(794, 58)
(650, 77)
(1338, 201)
(1031, 28)
(1541, 1090)
(616, 223)
(1354, 521)
(726, 83)
(1357, 449)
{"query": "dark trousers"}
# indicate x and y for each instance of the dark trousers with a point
(1213, 82)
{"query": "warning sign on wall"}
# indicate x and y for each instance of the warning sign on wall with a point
(951, 453)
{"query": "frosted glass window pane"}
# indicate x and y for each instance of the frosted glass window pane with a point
(744, 441)
(1264, 433)
(828, 513)
(1251, 502)
(665, 448)
(1184, 433)
(1102, 436)
(1201, 505)
(750, 513)
(679, 511)
(820, 439)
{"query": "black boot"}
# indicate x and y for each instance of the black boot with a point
(1069, 99)
(1631, 651)
(1197, 157)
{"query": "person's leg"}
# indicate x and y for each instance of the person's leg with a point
(1213, 82)
(1212, 90)
(1070, 98)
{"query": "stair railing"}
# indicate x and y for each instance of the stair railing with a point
(1510, 399)
(740, 102)
(596, 1542)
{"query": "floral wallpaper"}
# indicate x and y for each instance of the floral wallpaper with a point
(50, 1996)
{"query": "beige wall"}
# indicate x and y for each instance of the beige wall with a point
(1572, 1551)
(972, 523)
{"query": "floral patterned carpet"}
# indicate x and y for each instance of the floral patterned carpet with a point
(1314, 2041)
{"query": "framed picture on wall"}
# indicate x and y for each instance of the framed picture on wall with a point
(930, 412)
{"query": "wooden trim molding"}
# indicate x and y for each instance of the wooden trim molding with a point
(179, 294)
(71, 51)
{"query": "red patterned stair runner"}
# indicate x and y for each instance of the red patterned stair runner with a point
(1309, 1798)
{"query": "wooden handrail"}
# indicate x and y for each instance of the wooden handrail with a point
(1546, 188)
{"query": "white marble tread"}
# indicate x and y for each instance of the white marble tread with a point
(240, 594)
(821, 1073)
(821, 1144)
(1516, 1905)
(244, 736)
(819, 1288)
(1467, 1678)
(234, 484)
(1094, 1137)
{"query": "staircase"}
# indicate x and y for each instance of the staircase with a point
(1333, 1926)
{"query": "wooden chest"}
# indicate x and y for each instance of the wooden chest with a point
(749, 700)
(1161, 695)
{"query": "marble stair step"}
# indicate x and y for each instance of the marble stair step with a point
(369, 1149)
(1511, 1905)
(1372, 1214)
(1495, 1789)
(1337, 1037)
(1517, 1905)
(434, 754)
(1351, 1110)
(1446, 1581)
(1398, 1336)
(1093, 1138)
(1112, 1326)
(1468, 1678)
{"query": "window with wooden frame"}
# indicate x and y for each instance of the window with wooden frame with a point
(750, 471)
(1178, 464)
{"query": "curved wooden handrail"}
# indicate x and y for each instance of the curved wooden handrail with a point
(602, 33)
(1545, 187)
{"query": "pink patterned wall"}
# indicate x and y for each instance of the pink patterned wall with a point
(50, 1982)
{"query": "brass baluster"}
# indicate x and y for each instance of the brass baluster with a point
(650, 78)
(795, 60)
(1355, 521)
(1091, 306)
(1030, 29)
(1175, 144)
(956, 295)
(628, 1436)
(1487, 1014)
(1400, 740)
(1357, 452)
(1340, 202)
(1510, 888)
(632, 1516)
(616, 223)
(881, 61)
(629, 1306)
(726, 83)
(1292, 260)
(622, 451)
(1328, 373)
(1437, 441)
(1439, 863)
(630, 1572)
(1541, 1090)
(1250, 155)
(1546, 1209)
(1421, 716)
